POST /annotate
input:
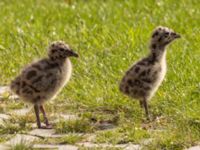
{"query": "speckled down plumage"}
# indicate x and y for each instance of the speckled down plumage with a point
(143, 78)
(42, 80)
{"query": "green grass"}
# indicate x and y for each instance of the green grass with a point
(68, 139)
(126, 133)
(7, 104)
(23, 145)
(71, 126)
(110, 35)
(16, 124)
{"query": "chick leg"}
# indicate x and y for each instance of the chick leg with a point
(146, 108)
(48, 126)
(36, 108)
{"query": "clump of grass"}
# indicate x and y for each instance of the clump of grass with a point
(15, 105)
(16, 124)
(2, 108)
(23, 145)
(6, 104)
(2, 139)
(111, 136)
(68, 139)
(9, 128)
(23, 119)
(5, 137)
(71, 139)
(183, 134)
(166, 141)
(165, 144)
(81, 125)
(121, 135)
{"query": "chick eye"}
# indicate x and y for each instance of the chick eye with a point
(166, 34)
(61, 49)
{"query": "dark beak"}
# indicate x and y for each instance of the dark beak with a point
(176, 36)
(74, 54)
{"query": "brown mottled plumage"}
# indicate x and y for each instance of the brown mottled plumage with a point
(42, 80)
(143, 79)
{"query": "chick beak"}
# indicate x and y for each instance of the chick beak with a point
(74, 54)
(176, 36)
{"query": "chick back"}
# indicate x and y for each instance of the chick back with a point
(141, 80)
(40, 81)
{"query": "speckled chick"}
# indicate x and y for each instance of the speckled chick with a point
(42, 80)
(142, 80)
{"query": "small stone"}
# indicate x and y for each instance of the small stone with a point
(13, 97)
(65, 117)
(132, 147)
(4, 147)
(146, 141)
(194, 148)
(3, 117)
(22, 112)
(19, 138)
(48, 133)
(45, 146)
(90, 145)
(68, 116)
(124, 146)
(67, 147)
(90, 137)
(59, 147)
(43, 132)
(105, 126)
(4, 89)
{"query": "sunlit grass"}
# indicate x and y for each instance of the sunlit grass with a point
(23, 145)
(74, 126)
(110, 36)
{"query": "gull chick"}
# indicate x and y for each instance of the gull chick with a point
(142, 80)
(43, 80)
